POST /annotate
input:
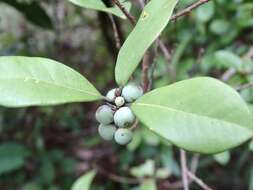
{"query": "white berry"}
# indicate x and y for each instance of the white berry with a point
(104, 114)
(124, 117)
(132, 92)
(106, 131)
(119, 101)
(110, 96)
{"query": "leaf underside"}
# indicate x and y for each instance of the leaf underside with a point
(100, 6)
(35, 81)
(201, 115)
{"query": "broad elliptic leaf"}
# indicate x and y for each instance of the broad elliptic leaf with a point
(201, 115)
(152, 21)
(84, 182)
(37, 81)
(100, 6)
(33, 12)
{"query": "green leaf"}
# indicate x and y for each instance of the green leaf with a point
(227, 59)
(100, 6)
(152, 21)
(222, 158)
(39, 81)
(84, 182)
(33, 12)
(201, 115)
(144, 170)
(205, 13)
(148, 184)
(251, 145)
(220, 27)
(162, 173)
(12, 156)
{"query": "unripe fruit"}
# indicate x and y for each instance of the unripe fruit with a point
(132, 92)
(104, 115)
(106, 131)
(119, 101)
(124, 117)
(110, 96)
(123, 136)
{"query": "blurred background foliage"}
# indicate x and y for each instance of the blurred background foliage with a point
(49, 147)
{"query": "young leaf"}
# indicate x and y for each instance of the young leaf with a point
(152, 21)
(148, 184)
(28, 81)
(100, 6)
(84, 182)
(202, 115)
(33, 12)
(222, 158)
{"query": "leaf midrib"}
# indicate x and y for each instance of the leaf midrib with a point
(50, 83)
(189, 113)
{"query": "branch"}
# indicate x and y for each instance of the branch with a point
(184, 169)
(188, 9)
(198, 181)
(124, 11)
(115, 31)
(244, 86)
(145, 66)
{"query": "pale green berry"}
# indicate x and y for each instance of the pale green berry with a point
(124, 117)
(106, 131)
(104, 115)
(123, 136)
(110, 96)
(119, 101)
(132, 92)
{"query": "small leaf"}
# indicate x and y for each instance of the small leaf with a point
(251, 145)
(205, 13)
(220, 27)
(33, 12)
(84, 182)
(162, 173)
(34, 81)
(100, 6)
(152, 21)
(12, 156)
(222, 158)
(148, 184)
(144, 170)
(227, 59)
(200, 115)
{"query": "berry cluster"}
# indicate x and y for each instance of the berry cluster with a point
(116, 117)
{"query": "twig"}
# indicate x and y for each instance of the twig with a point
(194, 163)
(231, 71)
(125, 12)
(184, 169)
(153, 66)
(145, 66)
(117, 178)
(115, 31)
(228, 74)
(244, 86)
(135, 125)
(198, 181)
(188, 9)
